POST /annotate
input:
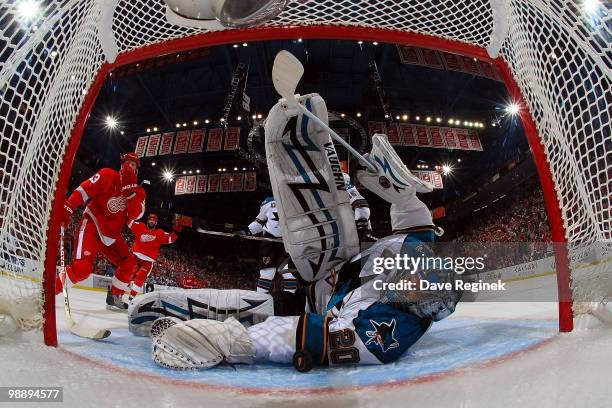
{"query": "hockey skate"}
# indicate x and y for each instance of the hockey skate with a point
(115, 303)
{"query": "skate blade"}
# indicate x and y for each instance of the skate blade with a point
(115, 309)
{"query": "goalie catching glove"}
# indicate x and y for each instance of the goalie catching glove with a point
(393, 182)
(200, 343)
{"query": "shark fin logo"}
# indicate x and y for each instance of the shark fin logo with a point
(383, 335)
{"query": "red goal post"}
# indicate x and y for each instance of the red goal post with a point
(308, 32)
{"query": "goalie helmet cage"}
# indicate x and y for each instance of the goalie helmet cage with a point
(554, 57)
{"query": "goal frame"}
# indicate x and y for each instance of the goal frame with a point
(313, 32)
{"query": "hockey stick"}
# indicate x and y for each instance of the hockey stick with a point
(230, 235)
(89, 333)
(286, 75)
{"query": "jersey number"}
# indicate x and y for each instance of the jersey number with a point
(341, 347)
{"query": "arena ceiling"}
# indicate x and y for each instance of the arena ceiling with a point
(187, 87)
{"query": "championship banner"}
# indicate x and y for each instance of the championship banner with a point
(141, 146)
(449, 138)
(394, 134)
(182, 142)
(432, 177)
(201, 184)
(474, 141)
(166, 144)
(452, 62)
(422, 136)
(214, 140)
(180, 186)
(225, 183)
(426, 176)
(409, 55)
(461, 135)
(444, 60)
(488, 71)
(436, 137)
(408, 135)
(250, 183)
(470, 65)
(237, 182)
(197, 141)
(191, 185)
(213, 183)
(431, 58)
(377, 127)
(153, 145)
(437, 180)
(232, 138)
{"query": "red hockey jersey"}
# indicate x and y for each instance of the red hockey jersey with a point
(147, 241)
(107, 207)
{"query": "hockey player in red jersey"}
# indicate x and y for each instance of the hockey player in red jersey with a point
(147, 240)
(113, 198)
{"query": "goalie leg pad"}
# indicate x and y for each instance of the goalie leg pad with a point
(393, 182)
(200, 344)
(274, 339)
(313, 206)
(246, 306)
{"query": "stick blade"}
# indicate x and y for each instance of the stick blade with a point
(286, 74)
(90, 333)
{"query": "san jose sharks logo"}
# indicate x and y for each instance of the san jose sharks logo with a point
(383, 335)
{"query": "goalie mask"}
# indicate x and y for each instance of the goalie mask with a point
(393, 182)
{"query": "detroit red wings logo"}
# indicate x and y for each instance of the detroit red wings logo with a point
(147, 238)
(116, 204)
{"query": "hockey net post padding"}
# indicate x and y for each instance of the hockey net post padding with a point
(554, 59)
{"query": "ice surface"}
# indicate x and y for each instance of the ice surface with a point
(487, 355)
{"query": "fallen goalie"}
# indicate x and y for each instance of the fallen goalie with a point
(346, 321)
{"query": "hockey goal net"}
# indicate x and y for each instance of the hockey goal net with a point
(554, 55)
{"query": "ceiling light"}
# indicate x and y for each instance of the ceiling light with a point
(111, 122)
(513, 108)
(28, 9)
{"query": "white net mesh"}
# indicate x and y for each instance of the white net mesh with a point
(558, 51)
